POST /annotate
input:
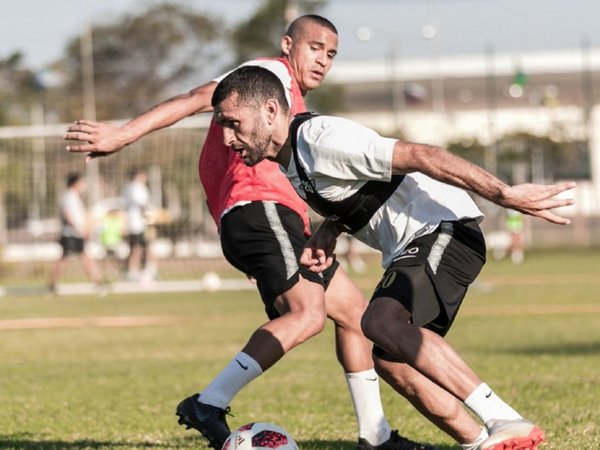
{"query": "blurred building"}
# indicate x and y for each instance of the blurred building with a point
(484, 98)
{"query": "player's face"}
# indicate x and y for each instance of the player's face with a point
(311, 54)
(244, 129)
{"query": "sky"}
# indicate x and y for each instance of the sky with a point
(41, 28)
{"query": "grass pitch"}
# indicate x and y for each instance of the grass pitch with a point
(532, 332)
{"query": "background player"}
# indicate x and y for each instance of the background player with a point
(263, 226)
(74, 232)
(427, 231)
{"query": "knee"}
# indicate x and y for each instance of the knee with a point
(370, 324)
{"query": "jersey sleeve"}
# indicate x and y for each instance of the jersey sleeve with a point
(342, 149)
(277, 67)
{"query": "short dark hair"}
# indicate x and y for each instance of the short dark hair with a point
(253, 84)
(294, 28)
(73, 178)
(135, 171)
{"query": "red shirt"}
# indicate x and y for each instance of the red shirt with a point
(227, 181)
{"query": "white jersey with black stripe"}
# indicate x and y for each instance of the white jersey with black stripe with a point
(340, 156)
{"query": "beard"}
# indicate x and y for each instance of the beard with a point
(257, 151)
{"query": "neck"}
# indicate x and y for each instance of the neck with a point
(282, 143)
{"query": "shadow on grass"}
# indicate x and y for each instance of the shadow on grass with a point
(28, 442)
(575, 348)
(343, 445)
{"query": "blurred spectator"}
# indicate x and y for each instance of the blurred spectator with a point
(74, 231)
(141, 264)
(516, 227)
(111, 235)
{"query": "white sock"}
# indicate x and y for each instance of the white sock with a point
(238, 373)
(488, 406)
(477, 442)
(364, 390)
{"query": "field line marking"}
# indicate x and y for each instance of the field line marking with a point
(141, 321)
(83, 322)
(526, 310)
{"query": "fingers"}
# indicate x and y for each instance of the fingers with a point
(83, 148)
(81, 127)
(77, 136)
(90, 123)
(553, 218)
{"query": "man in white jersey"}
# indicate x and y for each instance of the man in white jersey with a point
(408, 201)
(74, 232)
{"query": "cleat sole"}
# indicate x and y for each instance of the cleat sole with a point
(529, 442)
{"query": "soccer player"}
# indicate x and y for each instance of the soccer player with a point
(137, 203)
(74, 232)
(408, 201)
(263, 227)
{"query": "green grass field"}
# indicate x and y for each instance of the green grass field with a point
(532, 332)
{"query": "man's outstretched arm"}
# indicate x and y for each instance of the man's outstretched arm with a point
(104, 138)
(533, 199)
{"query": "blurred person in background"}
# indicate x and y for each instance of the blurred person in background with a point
(74, 232)
(111, 236)
(516, 227)
(141, 265)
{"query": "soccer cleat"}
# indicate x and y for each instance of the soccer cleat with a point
(519, 434)
(395, 442)
(207, 419)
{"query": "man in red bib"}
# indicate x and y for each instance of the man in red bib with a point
(263, 226)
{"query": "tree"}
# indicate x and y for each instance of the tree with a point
(139, 59)
(260, 34)
(19, 88)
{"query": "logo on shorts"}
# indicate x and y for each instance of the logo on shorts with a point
(408, 253)
(308, 186)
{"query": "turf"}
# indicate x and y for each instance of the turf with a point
(532, 332)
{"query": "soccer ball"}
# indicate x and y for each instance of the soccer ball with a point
(260, 435)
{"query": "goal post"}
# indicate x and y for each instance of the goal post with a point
(33, 169)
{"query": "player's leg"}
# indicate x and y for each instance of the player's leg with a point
(69, 246)
(258, 239)
(406, 303)
(442, 408)
(345, 306)
(59, 264)
(90, 266)
(134, 262)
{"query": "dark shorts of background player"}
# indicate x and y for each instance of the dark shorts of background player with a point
(431, 277)
(71, 245)
(265, 240)
(137, 239)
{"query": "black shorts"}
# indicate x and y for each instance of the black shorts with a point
(265, 240)
(430, 278)
(136, 239)
(71, 245)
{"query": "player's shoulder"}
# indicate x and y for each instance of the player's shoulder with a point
(327, 129)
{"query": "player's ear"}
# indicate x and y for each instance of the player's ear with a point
(272, 108)
(286, 45)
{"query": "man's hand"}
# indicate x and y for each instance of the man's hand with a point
(318, 252)
(102, 139)
(538, 200)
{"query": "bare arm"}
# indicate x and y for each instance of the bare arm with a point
(104, 138)
(533, 199)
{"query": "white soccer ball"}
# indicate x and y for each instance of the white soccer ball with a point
(260, 435)
(211, 281)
